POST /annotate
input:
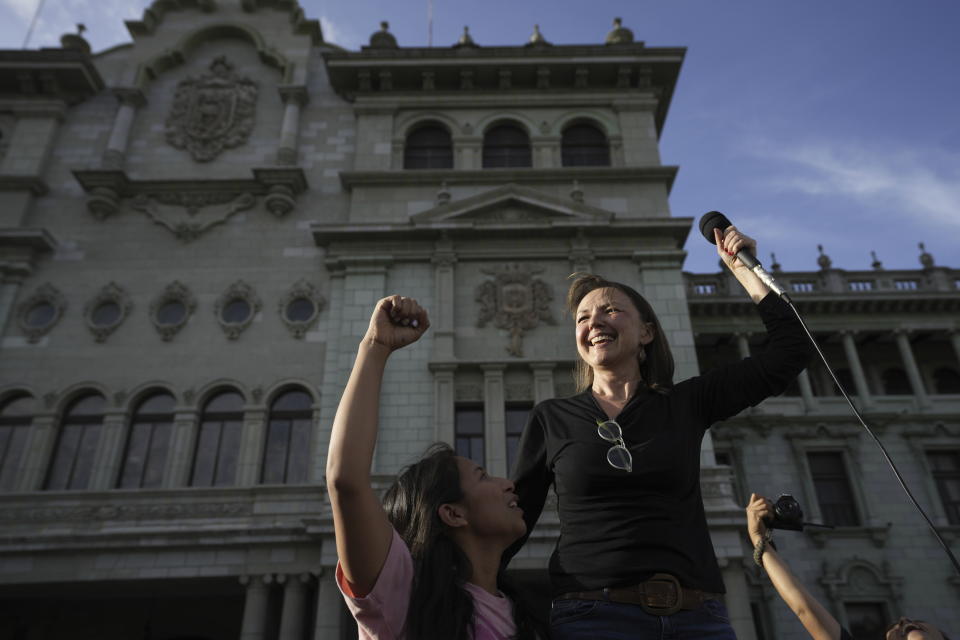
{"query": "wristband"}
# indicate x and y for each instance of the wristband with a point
(761, 546)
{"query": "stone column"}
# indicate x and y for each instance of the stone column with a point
(443, 402)
(293, 615)
(37, 451)
(542, 381)
(10, 281)
(853, 359)
(251, 445)
(910, 364)
(116, 152)
(444, 272)
(328, 607)
(743, 344)
(295, 97)
(542, 152)
(955, 338)
(182, 443)
(806, 391)
(469, 153)
(109, 454)
(254, 625)
(495, 436)
(738, 599)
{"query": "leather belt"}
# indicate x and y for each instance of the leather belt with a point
(661, 595)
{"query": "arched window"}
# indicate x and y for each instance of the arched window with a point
(846, 379)
(895, 383)
(428, 146)
(506, 145)
(946, 380)
(72, 460)
(218, 443)
(16, 414)
(584, 145)
(286, 454)
(148, 443)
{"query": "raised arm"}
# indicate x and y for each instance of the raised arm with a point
(363, 532)
(815, 618)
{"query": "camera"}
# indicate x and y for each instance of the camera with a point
(787, 514)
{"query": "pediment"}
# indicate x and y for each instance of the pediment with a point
(511, 204)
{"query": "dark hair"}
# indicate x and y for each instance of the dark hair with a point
(896, 623)
(440, 606)
(656, 367)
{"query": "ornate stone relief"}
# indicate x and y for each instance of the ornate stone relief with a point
(236, 308)
(107, 310)
(161, 209)
(40, 312)
(211, 113)
(300, 307)
(518, 392)
(170, 310)
(515, 301)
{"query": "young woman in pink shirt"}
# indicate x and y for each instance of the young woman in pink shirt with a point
(425, 563)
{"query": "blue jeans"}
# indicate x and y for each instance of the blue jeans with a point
(603, 620)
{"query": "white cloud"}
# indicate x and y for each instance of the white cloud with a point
(104, 20)
(339, 35)
(924, 185)
(22, 8)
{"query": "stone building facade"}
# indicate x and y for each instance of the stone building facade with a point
(195, 226)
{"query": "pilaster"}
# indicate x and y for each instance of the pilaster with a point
(37, 450)
(542, 381)
(107, 459)
(910, 364)
(853, 359)
(254, 625)
(130, 100)
(495, 426)
(295, 97)
(251, 445)
(182, 443)
(293, 614)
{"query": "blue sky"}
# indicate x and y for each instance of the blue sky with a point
(831, 122)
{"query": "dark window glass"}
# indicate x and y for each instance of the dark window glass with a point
(833, 488)
(428, 147)
(287, 450)
(584, 145)
(106, 314)
(171, 312)
(946, 380)
(40, 315)
(218, 442)
(896, 383)
(793, 389)
(516, 417)
(236, 311)
(148, 443)
(72, 461)
(300, 310)
(945, 466)
(468, 432)
(846, 379)
(506, 145)
(867, 620)
(16, 415)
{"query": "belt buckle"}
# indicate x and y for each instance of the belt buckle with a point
(662, 595)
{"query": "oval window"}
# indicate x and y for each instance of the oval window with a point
(106, 314)
(172, 312)
(41, 314)
(236, 311)
(300, 310)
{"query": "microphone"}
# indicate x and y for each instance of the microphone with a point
(716, 220)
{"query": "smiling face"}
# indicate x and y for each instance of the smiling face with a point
(489, 507)
(610, 331)
(907, 629)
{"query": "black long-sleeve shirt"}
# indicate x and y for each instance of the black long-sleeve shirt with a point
(619, 528)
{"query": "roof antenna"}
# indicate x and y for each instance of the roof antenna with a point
(429, 23)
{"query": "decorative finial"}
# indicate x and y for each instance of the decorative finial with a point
(537, 39)
(576, 193)
(876, 264)
(81, 28)
(925, 258)
(774, 264)
(824, 260)
(75, 41)
(619, 34)
(465, 40)
(383, 39)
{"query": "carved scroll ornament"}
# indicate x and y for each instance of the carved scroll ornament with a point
(515, 301)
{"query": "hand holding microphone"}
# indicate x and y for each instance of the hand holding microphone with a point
(715, 227)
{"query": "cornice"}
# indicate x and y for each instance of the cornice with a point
(36, 239)
(33, 184)
(397, 178)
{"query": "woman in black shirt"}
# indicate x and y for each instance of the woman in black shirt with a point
(634, 558)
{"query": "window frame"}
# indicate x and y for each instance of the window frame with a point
(154, 420)
(290, 415)
(85, 421)
(486, 161)
(446, 152)
(569, 150)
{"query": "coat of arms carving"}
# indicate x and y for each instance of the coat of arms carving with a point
(213, 112)
(514, 300)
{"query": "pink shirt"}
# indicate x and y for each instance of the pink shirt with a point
(381, 614)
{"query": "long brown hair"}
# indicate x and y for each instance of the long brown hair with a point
(440, 606)
(656, 363)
